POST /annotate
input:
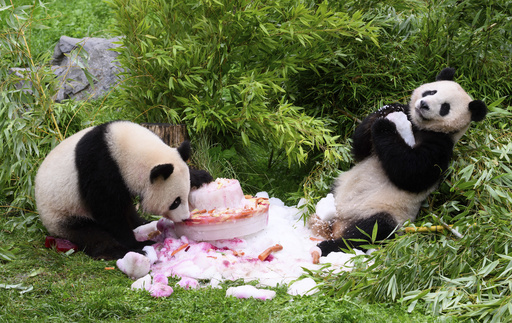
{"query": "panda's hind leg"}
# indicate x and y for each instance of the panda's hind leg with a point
(96, 241)
(385, 225)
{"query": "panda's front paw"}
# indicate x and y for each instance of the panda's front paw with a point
(403, 126)
(389, 108)
(382, 126)
(328, 246)
(335, 245)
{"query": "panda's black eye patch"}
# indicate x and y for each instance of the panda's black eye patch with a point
(175, 204)
(445, 109)
(432, 92)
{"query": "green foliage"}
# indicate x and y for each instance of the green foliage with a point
(416, 40)
(223, 66)
(290, 79)
(46, 21)
(31, 122)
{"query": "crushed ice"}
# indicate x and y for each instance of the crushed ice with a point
(212, 262)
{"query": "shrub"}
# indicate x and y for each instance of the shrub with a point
(223, 67)
(468, 278)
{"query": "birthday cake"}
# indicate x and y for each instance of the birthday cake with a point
(220, 210)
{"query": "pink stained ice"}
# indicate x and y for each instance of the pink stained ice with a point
(213, 262)
(160, 290)
(188, 283)
(134, 265)
(248, 291)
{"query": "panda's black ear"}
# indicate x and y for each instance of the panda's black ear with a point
(446, 74)
(164, 171)
(478, 110)
(184, 150)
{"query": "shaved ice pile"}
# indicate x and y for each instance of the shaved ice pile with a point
(209, 263)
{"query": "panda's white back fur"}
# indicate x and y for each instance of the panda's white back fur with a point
(56, 185)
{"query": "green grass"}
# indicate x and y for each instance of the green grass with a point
(52, 19)
(73, 288)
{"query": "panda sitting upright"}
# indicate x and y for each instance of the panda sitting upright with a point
(401, 152)
(84, 187)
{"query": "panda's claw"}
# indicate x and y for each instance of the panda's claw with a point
(389, 108)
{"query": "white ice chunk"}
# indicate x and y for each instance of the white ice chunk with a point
(142, 283)
(161, 290)
(306, 286)
(188, 283)
(248, 291)
(142, 232)
(262, 194)
(326, 208)
(275, 201)
(134, 265)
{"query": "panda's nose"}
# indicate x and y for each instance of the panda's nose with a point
(424, 105)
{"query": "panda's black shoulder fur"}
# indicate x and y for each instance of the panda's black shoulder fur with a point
(414, 169)
(411, 169)
(99, 174)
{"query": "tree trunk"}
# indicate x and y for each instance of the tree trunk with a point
(171, 134)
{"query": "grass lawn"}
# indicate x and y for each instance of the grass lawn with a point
(56, 287)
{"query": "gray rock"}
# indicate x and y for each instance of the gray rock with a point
(70, 58)
(72, 55)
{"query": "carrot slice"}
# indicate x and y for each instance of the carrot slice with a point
(264, 255)
(183, 246)
(316, 257)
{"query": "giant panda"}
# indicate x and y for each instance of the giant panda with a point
(401, 152)
(84, 188)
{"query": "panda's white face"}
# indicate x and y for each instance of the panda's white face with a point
(441, 106)
(139, 151)
(169, 197)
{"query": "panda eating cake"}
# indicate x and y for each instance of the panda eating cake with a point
(84, 188)
(401, 152)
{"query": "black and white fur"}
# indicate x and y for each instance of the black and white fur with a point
(392, 176)
(85, 187)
